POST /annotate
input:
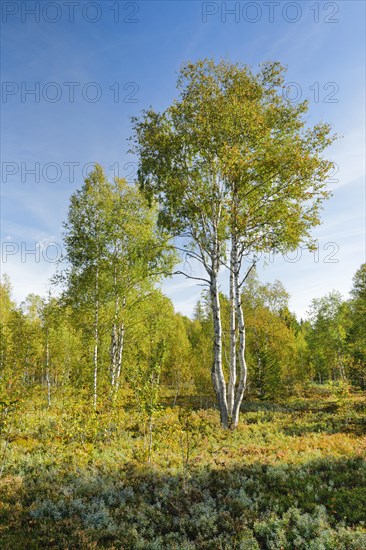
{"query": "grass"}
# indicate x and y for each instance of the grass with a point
(292, 476)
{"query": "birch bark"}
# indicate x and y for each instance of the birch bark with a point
(239, 393)
(233, 343)
(217, 374)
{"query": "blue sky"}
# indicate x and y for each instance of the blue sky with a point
(126, 60)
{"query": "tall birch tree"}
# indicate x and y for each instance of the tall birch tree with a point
(236, 172)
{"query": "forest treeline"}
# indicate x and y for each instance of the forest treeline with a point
(146, 346)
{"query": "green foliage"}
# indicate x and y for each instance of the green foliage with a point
(231, 140)
(272, 343)
(146, 383)
(356, 337)
(327, 337)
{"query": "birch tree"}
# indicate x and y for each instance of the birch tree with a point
(139, 256)
(115, 255)
(85, 240)
(236, 172)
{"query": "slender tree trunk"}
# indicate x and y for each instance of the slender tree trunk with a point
(232, 379)
(48, 371)
(96, 337)
(121, 339)
(114, 335)
(117, 344)
(113, 353)
(117, 340)
(217, 374)
(239, 394)
(176, 396)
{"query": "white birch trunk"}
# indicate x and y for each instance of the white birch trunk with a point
(121, 338)
(217, 374)
(114, 335)
(239, 394)
(117, 344)
(113, 367)
(232, 379)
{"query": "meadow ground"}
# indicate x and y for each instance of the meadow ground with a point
(291, 477)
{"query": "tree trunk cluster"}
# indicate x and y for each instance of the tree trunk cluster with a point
(229, 396)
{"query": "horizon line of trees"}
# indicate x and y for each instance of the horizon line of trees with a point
(44, 345)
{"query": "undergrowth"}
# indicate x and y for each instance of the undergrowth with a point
(292, 476)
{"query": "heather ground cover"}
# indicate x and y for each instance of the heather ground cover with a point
(292, 475)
